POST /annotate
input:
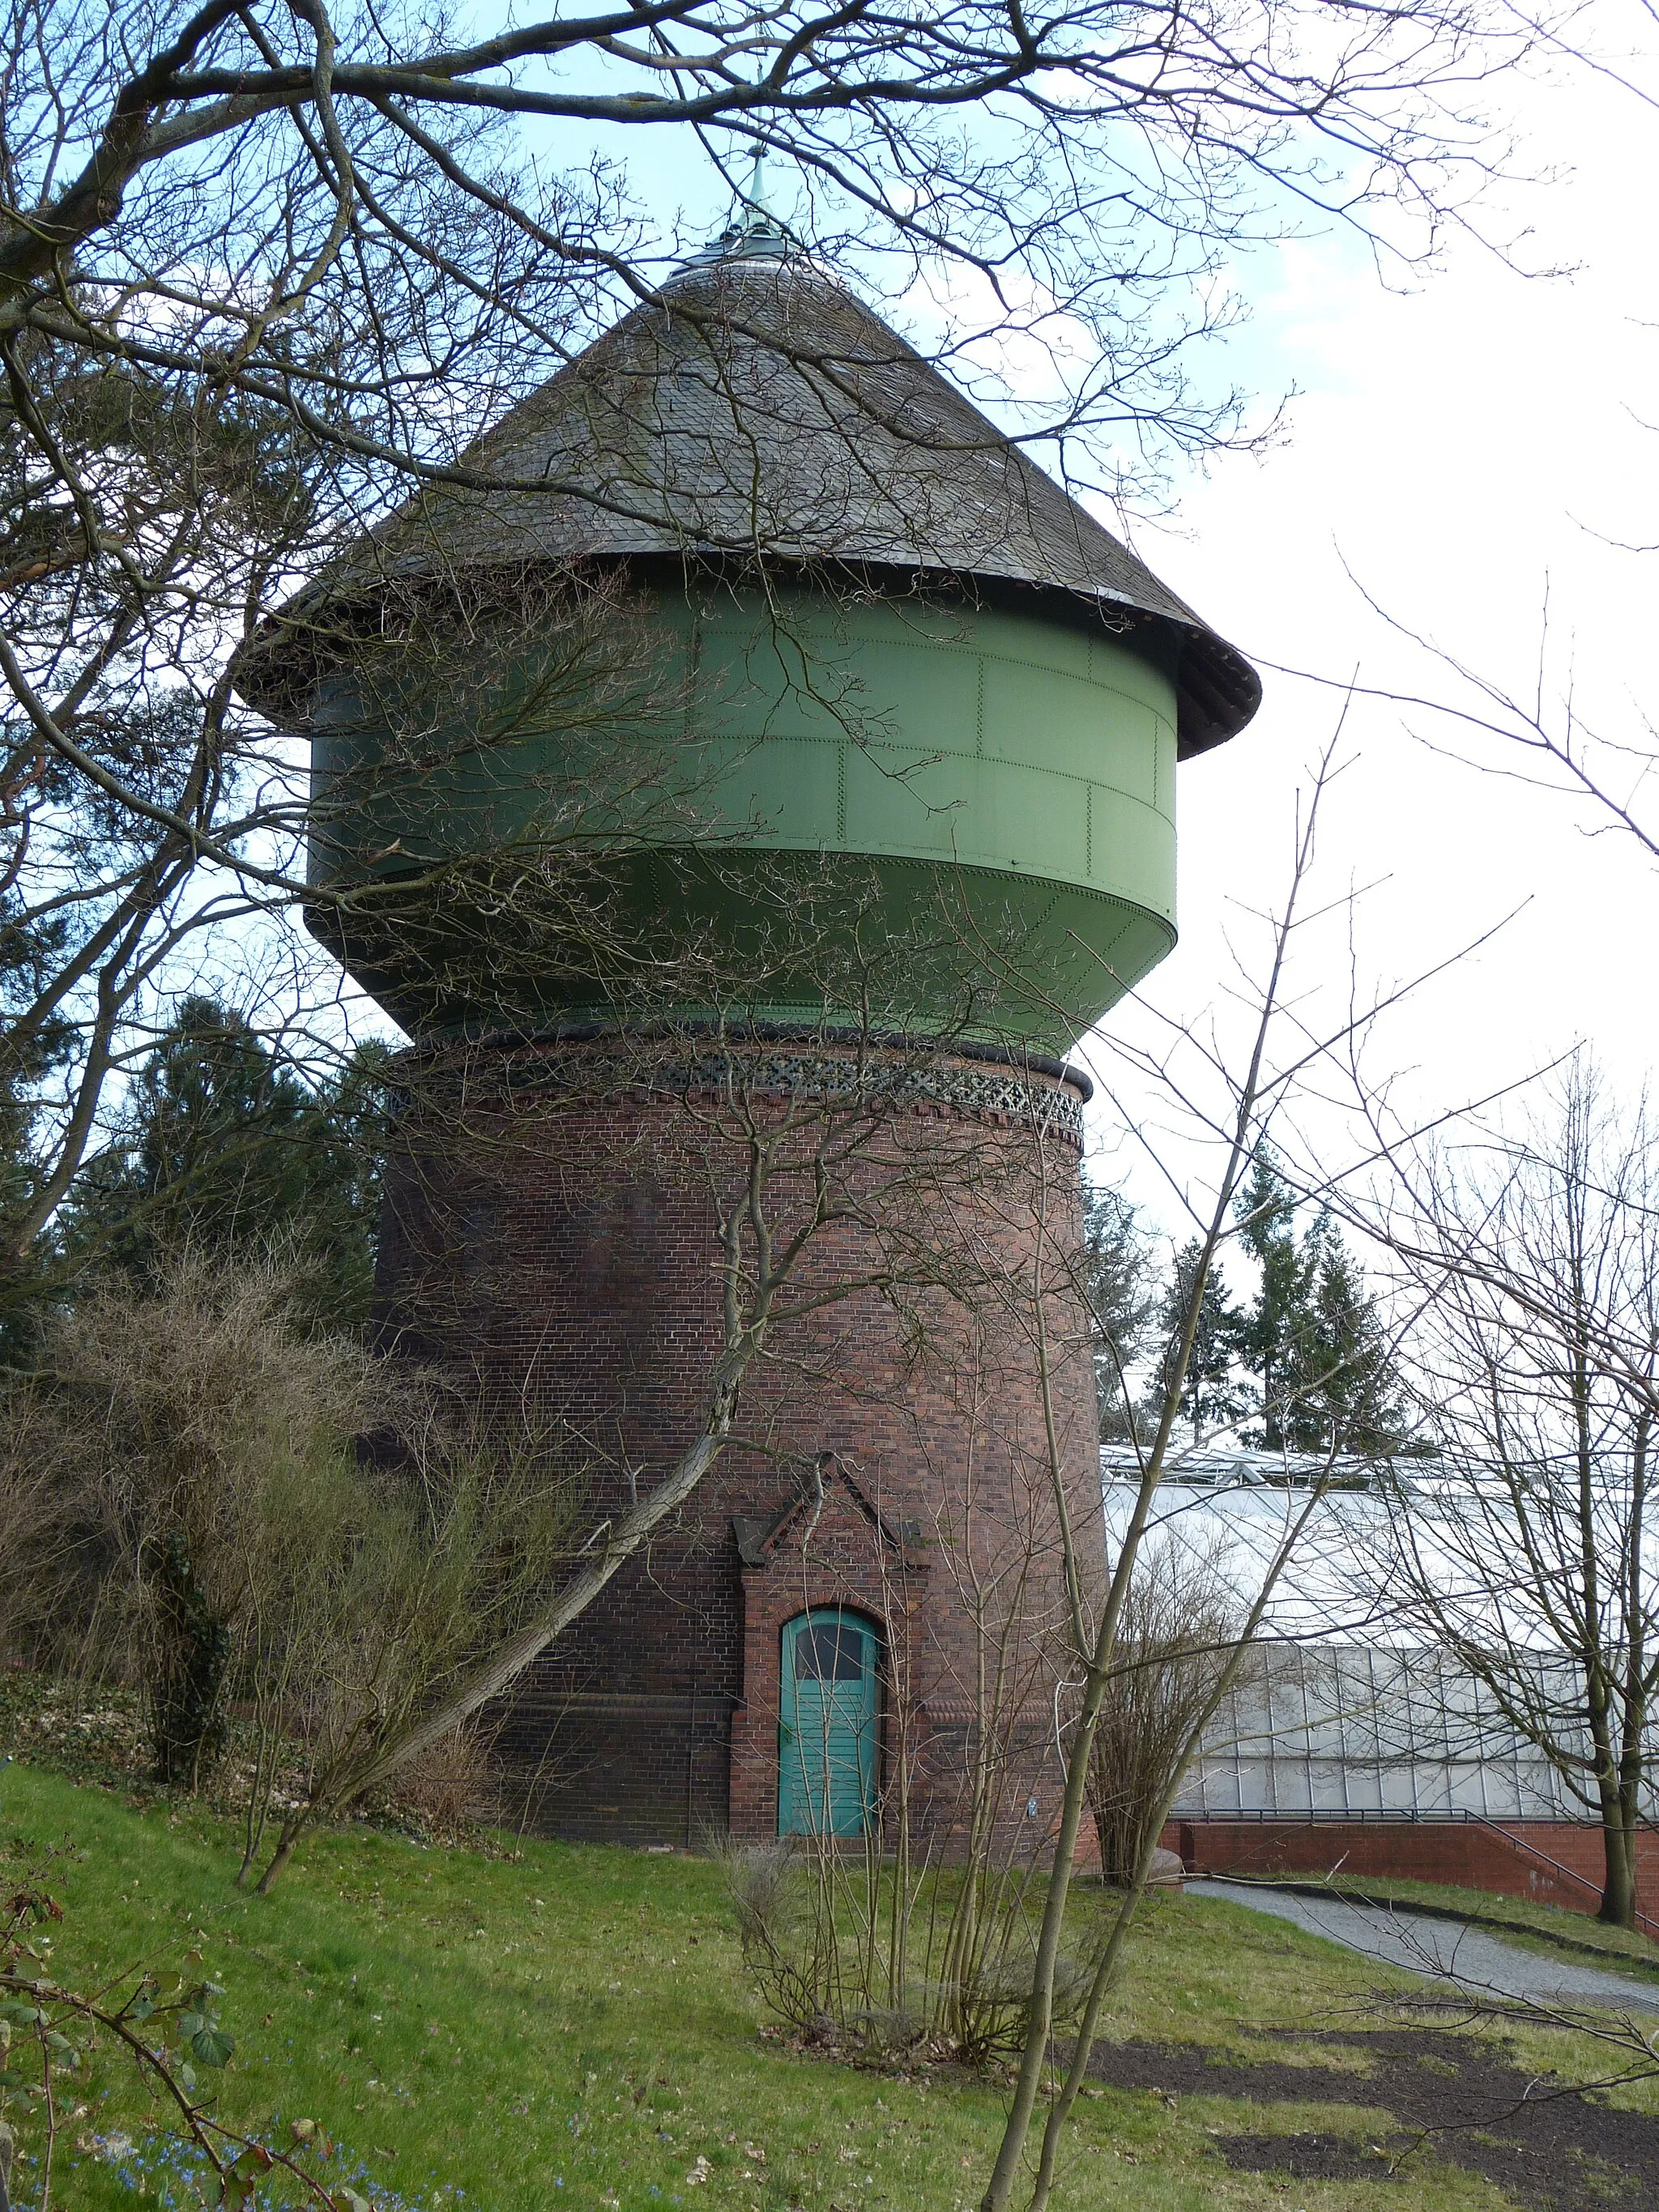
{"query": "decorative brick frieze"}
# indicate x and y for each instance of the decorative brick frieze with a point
(886, 1079)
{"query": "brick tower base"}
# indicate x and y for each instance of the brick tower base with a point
(922, 1403)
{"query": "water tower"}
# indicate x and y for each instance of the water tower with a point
(877, 641)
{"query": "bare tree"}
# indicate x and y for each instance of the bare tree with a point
(1540, 734)
(1526, 1548)
(267, 268)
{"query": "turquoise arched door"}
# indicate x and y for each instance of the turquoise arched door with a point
(828, 1725)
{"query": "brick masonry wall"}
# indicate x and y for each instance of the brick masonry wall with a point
(550, 1239)
(1506, 1859)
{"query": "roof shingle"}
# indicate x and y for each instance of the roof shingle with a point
(756, 410)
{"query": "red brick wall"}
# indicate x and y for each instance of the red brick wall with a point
(550, 1237)
(1508, 1857)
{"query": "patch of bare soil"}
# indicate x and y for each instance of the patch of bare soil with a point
(1437, 2095)
(1309, 2157)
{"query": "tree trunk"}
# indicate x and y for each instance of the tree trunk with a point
(1618, 1849)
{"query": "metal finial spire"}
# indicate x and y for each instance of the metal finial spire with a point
(751, 231)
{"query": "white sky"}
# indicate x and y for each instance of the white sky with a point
(1456, 446)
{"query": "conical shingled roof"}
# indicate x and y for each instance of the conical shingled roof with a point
(758, 408)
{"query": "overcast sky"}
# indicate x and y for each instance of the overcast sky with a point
(1457, 446)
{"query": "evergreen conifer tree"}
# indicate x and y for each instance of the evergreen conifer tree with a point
(1313, 1338)
(1214, 1393)
(1117, 1281)
(224, 1149)
(1278, 1326)
(1351, 1399)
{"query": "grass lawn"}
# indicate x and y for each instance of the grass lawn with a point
(572, 2028)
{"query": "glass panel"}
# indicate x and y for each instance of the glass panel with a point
(830, 1651)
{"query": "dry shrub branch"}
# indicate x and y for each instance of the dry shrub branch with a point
(1179, 1624)
(258, 1521)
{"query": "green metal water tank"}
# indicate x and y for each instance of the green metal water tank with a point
(873, 647)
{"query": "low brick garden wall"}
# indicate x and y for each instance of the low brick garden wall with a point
(1550, 1862)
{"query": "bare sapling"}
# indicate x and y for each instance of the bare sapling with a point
(1281, 1051)
(918, 1934)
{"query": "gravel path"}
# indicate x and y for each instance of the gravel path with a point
(1469, 1956)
